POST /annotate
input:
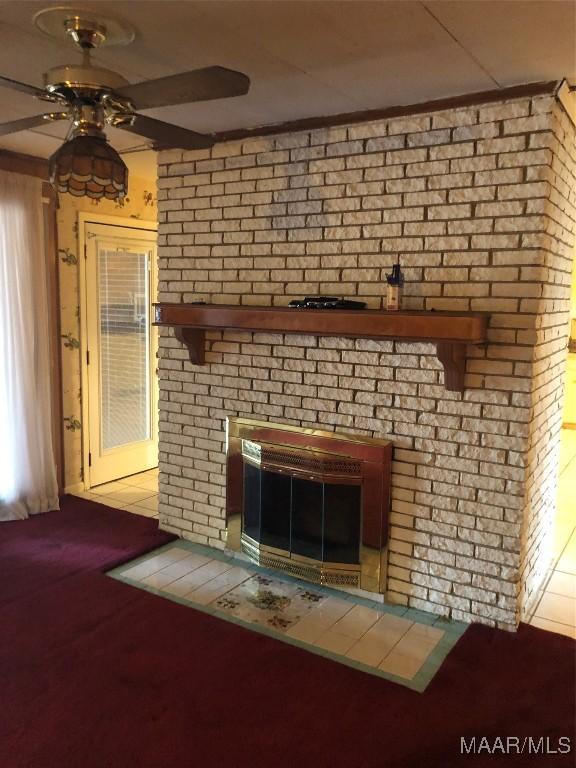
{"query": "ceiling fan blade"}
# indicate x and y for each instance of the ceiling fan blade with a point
(29, 122)
(22, 87)
(197, 85)
(166, 135)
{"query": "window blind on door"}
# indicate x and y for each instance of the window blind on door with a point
(123, 296)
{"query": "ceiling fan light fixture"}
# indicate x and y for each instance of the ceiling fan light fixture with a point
(93, 97)
(87, 166)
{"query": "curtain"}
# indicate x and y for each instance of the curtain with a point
(27, 469)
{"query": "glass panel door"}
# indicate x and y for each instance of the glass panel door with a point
(120, 266)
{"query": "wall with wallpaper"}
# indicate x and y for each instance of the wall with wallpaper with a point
(140, 204)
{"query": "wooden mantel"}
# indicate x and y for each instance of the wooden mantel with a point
(450, 331)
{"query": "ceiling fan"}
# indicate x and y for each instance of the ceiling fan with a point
(92, 97)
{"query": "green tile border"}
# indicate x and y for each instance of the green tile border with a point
(453, 630)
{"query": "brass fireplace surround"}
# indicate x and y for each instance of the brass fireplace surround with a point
(322, 457)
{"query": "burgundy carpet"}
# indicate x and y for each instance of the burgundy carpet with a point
(97, 674)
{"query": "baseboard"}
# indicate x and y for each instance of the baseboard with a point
(76, 488)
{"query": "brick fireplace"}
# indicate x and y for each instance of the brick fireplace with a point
(478, 202)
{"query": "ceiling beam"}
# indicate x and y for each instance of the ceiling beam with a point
(28, 165)
(385, 113)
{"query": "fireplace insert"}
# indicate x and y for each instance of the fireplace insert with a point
(308, 502)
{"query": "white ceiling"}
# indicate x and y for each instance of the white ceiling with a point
(305, 58)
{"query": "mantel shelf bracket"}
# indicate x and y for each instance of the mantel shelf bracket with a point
(453, 359)
(194, 339)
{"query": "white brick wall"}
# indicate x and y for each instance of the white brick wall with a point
(550, 336)
(466, 198)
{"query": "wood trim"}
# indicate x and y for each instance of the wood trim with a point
(431, 326)
(451, 331)
(567, 99)
(52, 276)
(28, 165)
(128, 229)
(115, 221)
(402, 110)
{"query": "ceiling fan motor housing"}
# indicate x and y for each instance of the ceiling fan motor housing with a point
(82, 77)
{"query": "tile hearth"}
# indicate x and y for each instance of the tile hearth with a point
(400, 644)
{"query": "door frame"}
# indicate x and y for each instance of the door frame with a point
(83, 220)
(49, 206)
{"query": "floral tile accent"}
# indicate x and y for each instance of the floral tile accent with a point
(310, 597)
(269, 602)
(278, 622)
(227, 603)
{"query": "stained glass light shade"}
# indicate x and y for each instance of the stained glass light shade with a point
(88, 166)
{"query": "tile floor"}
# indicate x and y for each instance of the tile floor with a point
(400, 644)
(556, 609)
(137, 493)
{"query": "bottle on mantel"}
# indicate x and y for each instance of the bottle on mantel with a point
(395, 281)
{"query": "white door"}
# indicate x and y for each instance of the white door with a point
(121, 345)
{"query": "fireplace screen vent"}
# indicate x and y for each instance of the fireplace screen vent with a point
(309, 503)
(301, 460)
(310, 573)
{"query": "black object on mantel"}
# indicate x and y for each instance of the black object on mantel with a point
(326, 302)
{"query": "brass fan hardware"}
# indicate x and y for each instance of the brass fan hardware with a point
(84, 36)
(93, 97)
(87, 29)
